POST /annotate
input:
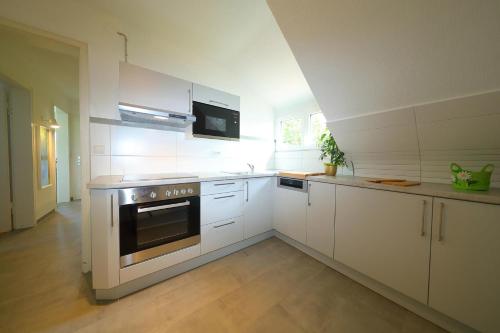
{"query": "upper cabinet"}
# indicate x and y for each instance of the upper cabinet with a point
(465, 265)
(215, 97)
(146, 88)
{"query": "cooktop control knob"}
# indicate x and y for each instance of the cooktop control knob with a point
(133, 197)
(190, 190)
(168, 193)
(183, 191)
(176, 192)
(152, 195)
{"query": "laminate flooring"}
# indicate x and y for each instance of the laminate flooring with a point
(268, 287)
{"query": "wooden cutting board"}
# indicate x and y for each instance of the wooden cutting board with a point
(299, 174)
(395, 182)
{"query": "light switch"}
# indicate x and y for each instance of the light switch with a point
(98, 149)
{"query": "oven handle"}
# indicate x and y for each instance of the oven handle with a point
(152, 209)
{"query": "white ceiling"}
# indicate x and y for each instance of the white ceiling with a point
(367, 56)
(240, 35)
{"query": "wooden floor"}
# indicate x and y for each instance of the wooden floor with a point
(269, 287)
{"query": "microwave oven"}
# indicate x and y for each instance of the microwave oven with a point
(215, 122)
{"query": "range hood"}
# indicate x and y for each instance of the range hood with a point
(143, 115)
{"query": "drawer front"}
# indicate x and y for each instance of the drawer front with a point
(221, 186)
(219, 207)
(220, 234)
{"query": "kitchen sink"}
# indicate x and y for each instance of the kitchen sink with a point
(238, 173)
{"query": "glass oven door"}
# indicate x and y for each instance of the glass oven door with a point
(151, 229)
(214, 121)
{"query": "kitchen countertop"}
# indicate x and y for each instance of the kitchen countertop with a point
(115, 181)
(430, 189)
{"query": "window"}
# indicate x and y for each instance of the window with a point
(44, 157)
(291, 132)
(317, 124)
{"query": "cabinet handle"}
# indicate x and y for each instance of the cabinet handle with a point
(217, 102)
(226, 196)
(112, 213)
(222, 225)
(309, 194)
(440, 230)
(422, 227)
(221, 184)
(247, 191)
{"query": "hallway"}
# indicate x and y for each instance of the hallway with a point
(40, 269)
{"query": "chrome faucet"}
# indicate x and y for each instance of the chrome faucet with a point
(251, 166)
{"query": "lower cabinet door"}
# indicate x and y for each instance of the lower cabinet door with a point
(320, 216)
(220, 234)
(258, 206)
(290, 208)
(386, 236)
(465, 263)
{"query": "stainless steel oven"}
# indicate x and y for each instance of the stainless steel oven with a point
(158, 220)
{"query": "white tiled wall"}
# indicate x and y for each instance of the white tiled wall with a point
(119, 150)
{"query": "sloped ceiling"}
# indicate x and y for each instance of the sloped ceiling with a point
(241, 36)
(367, 56)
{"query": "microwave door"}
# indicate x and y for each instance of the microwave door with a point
(214, 121)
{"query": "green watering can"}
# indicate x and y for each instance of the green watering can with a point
(471, 180)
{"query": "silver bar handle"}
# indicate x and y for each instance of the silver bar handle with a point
(309, 194)
(222, 184)
(226, 196)
(112, 212)
(223, 225)
(154, 208)
(247, 191)
(217, 102)
(422, 227)
(440, 230)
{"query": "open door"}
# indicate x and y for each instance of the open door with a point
(5, 197)
(62, 156)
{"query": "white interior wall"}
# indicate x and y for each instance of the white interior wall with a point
(5, 212)
(62, 155)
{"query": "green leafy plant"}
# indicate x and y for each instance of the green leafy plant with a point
(330, 150)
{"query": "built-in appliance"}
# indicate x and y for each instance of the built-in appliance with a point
(215, 122)
(292, 184)
(157, 220)
(142, 115)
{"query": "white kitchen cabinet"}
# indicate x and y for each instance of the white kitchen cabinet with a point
(143, 87)
(258, 205)
(465, 263)
(221, 186)
(386, 236)
(320, 217)
(215, 97)
(104, 219)
(220, 234)
(290, 209)
(222, 206)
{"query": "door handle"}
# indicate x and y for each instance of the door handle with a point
(112, 212)
(422, 227)
(440, 230)
(154, 208)
(222, 184)
(226, 196)
(247, 191)
(222, 225)
(309, 194)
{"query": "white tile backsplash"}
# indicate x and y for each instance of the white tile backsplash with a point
(133, 141)
(129, 150)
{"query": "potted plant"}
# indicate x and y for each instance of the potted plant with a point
(330, 151)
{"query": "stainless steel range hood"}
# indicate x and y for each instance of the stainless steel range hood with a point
(142, 115)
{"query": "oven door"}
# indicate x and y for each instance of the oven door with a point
(215, 122)
(151, 229)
